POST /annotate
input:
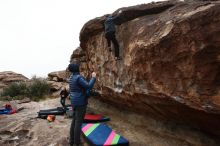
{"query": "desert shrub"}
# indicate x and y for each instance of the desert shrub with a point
(15, 89)
(36, 89)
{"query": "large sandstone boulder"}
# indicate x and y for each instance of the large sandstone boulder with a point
(8, 77)
(170, 67)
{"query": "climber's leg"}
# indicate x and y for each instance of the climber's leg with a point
(108, 38)
(116, 45)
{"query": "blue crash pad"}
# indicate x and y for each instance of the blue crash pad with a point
(101, 135)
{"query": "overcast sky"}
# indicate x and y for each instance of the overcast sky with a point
(38, 36)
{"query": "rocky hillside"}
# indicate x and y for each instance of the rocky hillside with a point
(8, 77)
(170, 67)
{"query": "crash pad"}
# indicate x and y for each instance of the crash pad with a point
(94, 118)
(55, 111)
(99, 134)
(7, 111)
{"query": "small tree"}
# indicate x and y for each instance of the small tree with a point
(38, 87)
(15, 89)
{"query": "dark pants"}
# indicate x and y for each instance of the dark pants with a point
(110, 36)
(75, 129)
(62, 101)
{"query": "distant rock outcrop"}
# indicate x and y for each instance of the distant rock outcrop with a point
(58, 76)
(57, 80)
(8, 77)
(170, 67)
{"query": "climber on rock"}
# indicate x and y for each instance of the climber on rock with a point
(110, 34)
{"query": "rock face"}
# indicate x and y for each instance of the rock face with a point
(79, 56)
(170, 67)
(8, 77)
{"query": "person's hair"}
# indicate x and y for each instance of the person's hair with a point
(73, 67)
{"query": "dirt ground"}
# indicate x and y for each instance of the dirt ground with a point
(24, 129)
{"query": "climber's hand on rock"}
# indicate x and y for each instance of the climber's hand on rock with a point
(93, 74)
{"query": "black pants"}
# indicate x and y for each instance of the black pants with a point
(62, 101)
(75, 129)
(110, 36)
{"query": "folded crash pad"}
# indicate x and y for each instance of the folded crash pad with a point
(101, 135)
(4, 111)
(7, 111)
(55, 111)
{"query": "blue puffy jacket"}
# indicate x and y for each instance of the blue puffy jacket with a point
(78, 86)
